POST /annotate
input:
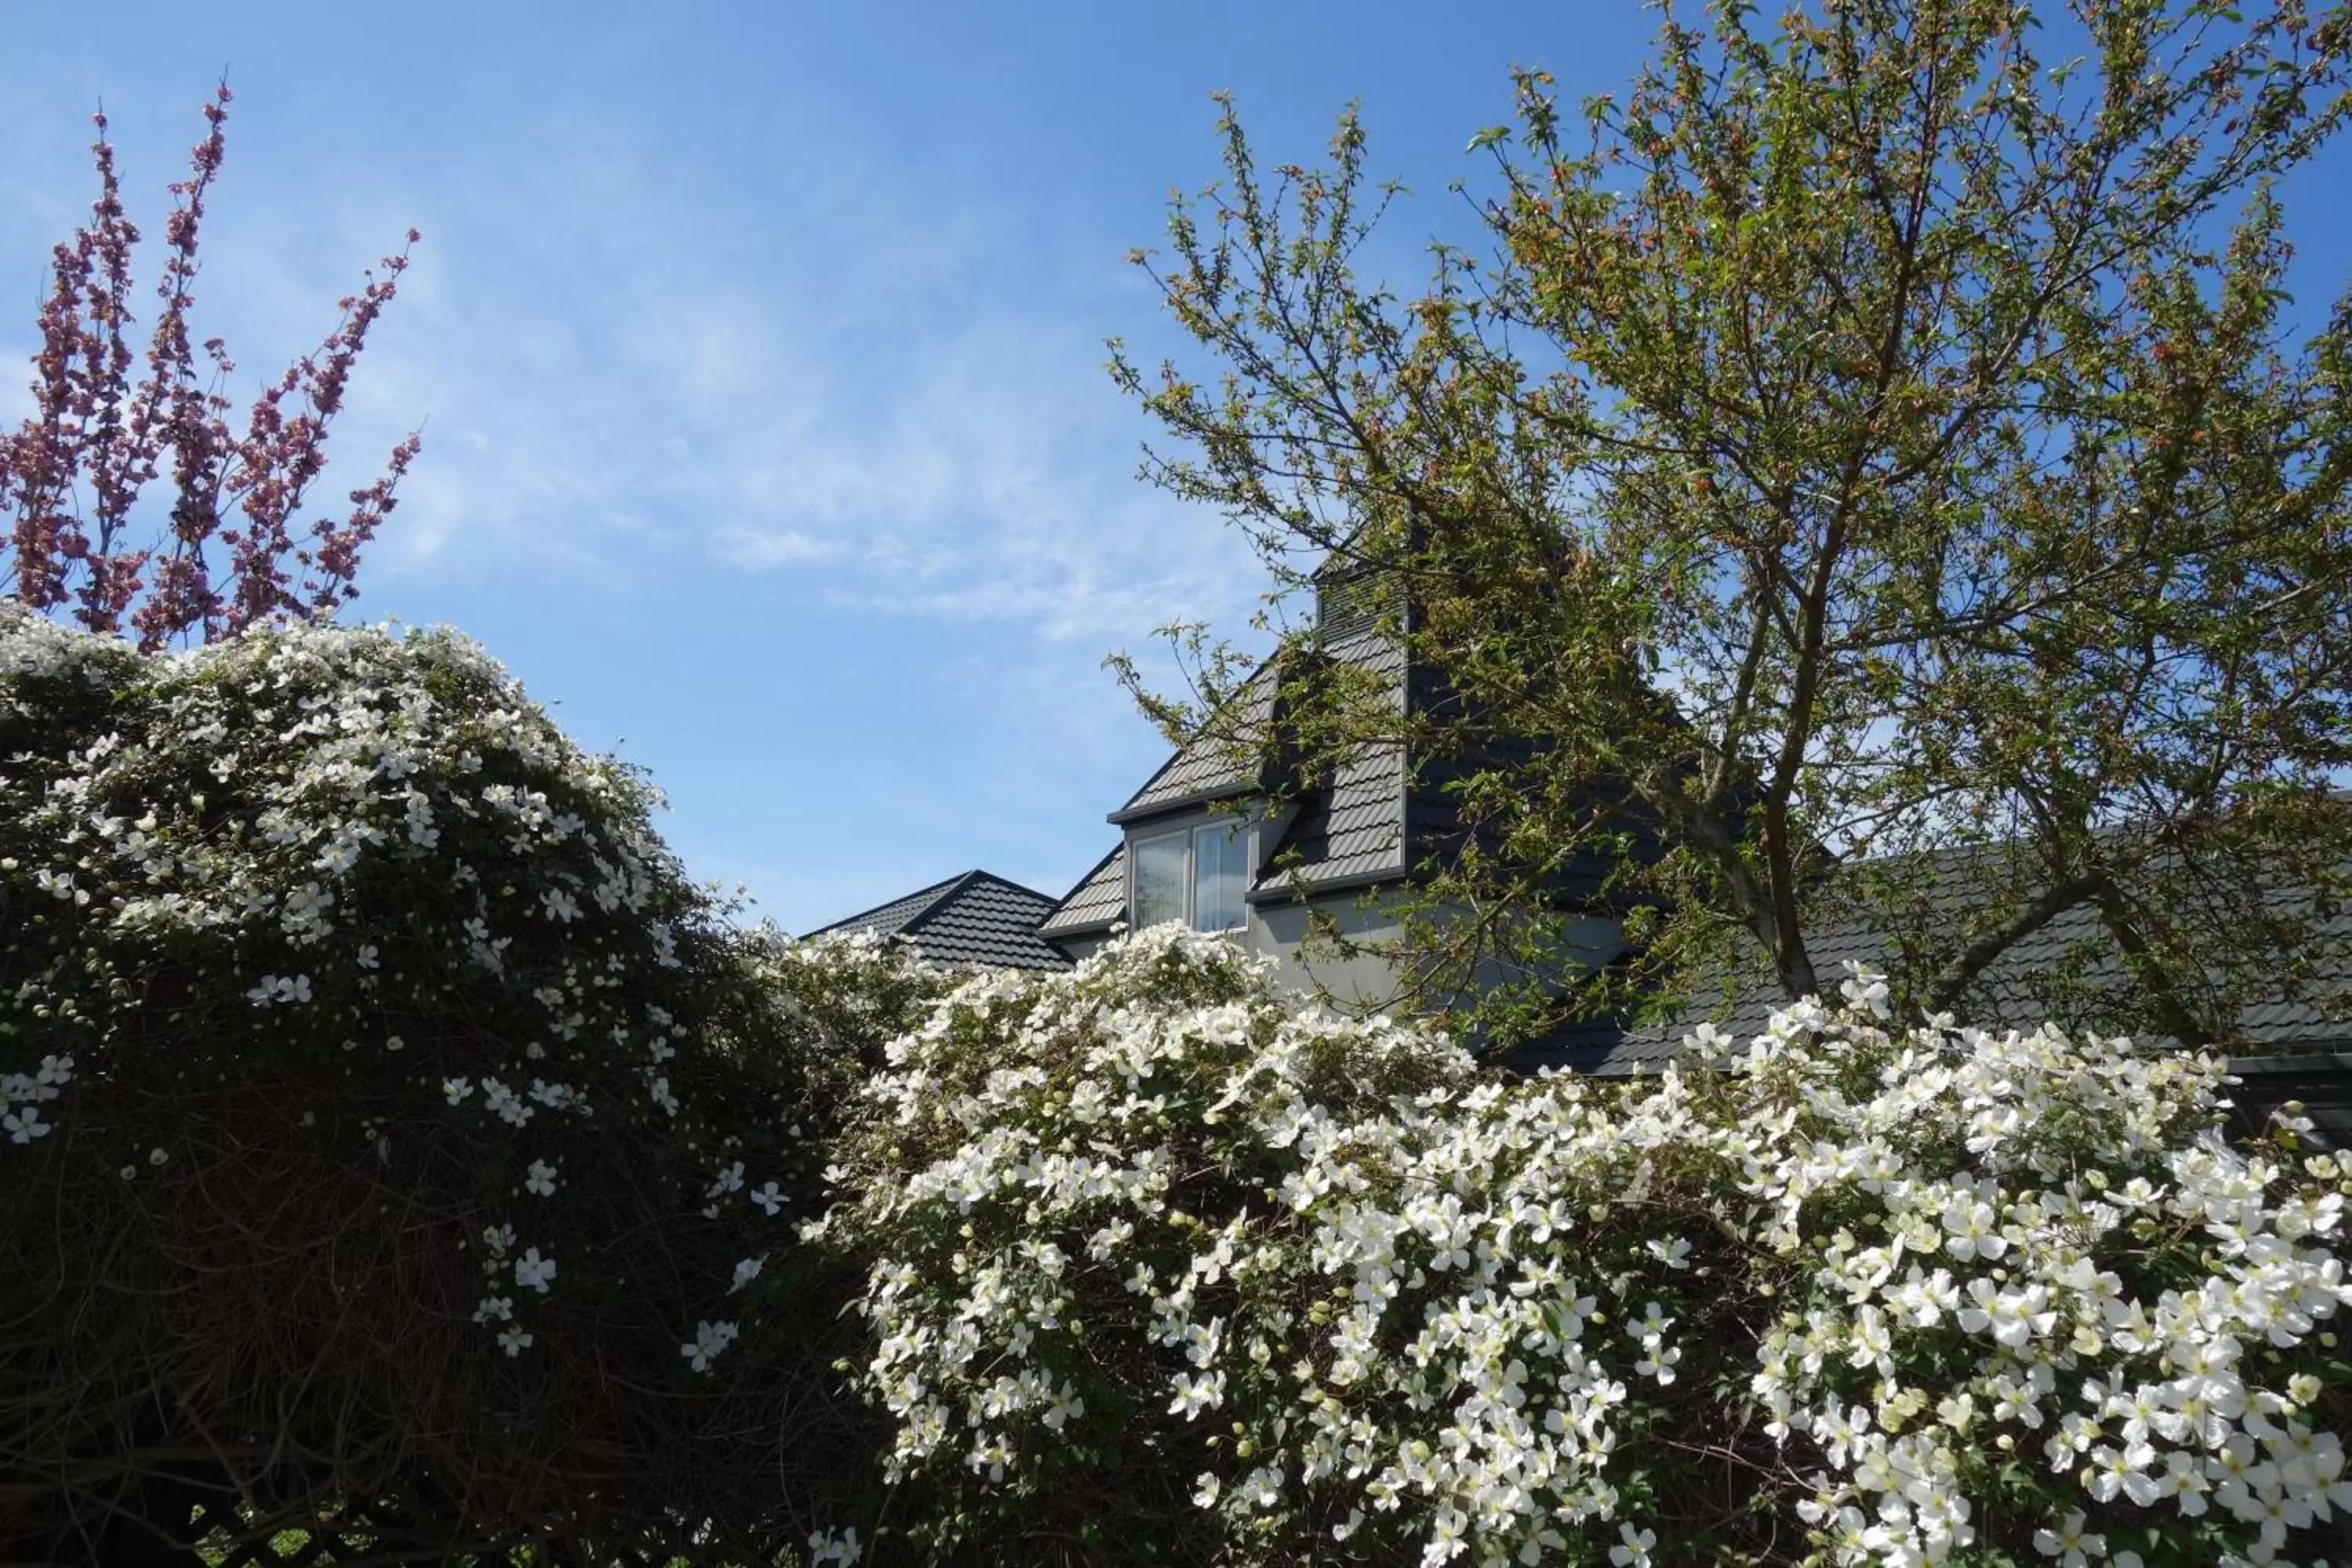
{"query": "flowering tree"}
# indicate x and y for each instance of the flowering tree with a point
(1882, 429)
(1162, 1270)
(233, 547)
(384, 1115)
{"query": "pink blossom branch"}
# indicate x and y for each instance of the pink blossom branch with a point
(282, 455)
(93, 429)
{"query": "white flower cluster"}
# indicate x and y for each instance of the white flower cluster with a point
(2012, 1266)
(333, 827)
(22, 1094)
(1381, 1304)
(827, 1547)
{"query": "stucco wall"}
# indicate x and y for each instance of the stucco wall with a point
(1355, 981)
(1363, 981)
(1365, 917)
(1081, 947)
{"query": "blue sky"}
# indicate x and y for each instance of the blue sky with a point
(759, 349)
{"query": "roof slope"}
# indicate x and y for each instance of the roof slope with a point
(1350, 829)
(1349, 832)
(1207, 768)
(978, 919)
(2070, 960)
(1098, 900)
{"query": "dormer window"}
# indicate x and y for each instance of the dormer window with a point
(1220, 876)
(1195, 875)
(1160, 873)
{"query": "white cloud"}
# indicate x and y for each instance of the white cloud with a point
(755, 549)
(818, 396)
(894, 410)
(903, 412)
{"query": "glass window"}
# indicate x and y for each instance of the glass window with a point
(1219, 850)
(1159, 879)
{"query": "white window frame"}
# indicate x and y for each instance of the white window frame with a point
(1188, 834)
(1237, 831)
(1135, 870)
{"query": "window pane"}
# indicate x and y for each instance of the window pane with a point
(1217, 857)
(1159, 879)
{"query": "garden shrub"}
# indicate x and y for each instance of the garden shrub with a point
(386, 1115)
(1160, 1269)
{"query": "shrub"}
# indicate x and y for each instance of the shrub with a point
(384, 1115)
(1162, 1269)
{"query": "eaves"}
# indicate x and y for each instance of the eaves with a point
(1233, 790)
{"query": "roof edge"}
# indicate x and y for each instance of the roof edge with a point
(1091, 928)
(2319, 1058)
(1174, 757)
(1126, 815)
(1301, 886)
(1046, 928)
(930, 897)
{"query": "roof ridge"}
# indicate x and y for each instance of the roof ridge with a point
(929, 896)
(1003, 881)
(946, 894)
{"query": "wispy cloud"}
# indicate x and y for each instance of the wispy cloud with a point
(884, 410)
(899, 410)
(831, 393)
(758, 549)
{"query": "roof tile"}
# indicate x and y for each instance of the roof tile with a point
(1098, 900)
(1210, 766)
(978, 920)
(2015, 992)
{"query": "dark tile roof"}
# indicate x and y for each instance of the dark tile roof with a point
(978, 920)
(1348, 831)
(1098, 900)
(2019, 990)
(2322, 1083)
(1205, 769)
(1352, 830)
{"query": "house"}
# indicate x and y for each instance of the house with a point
(1206, 842)
(1210, 840)
(1213, 840)
(978, 920)
(2299, 1048)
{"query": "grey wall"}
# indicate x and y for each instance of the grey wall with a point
(1359, 982)
(1363, 982)
(1081, 948)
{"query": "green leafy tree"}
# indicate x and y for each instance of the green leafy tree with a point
(1881, 431)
